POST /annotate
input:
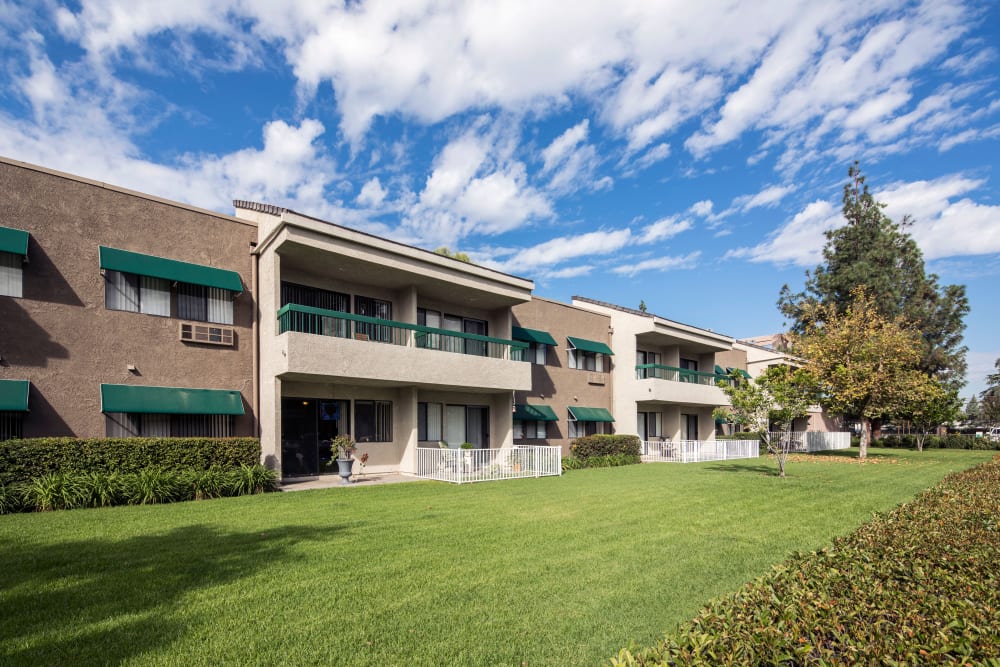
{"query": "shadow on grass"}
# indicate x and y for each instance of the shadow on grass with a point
(758, 469)
(104, 601)
(851, 454)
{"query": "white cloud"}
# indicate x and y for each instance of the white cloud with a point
(800, 241)
(372, 193)
(664, 228)
(556, 152)
(766, 198)
(566, 248)
(569, 272)
(688, 261)
(702, 208)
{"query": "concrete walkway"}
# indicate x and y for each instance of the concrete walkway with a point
(334, 481)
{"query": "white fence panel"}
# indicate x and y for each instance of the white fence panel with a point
(694, 451)
(486, 465)
(815, 441)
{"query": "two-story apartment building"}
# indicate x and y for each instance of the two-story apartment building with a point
(396, 346)
(571, 373)
(121, 314)
(665, 374)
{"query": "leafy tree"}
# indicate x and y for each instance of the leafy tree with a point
(861, 363)
(990, 398)
(460, 256)
(871, 250)
(972, 410)
(774, 399)
(642, 305)
(927, 407)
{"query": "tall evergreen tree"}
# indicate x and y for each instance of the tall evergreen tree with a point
(873, 252)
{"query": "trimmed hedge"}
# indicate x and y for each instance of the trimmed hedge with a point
(24, 460)
(950, 441)
(918, 585)
(609, 461)
(605, 445)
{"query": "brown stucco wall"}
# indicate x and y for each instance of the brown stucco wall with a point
(730, 359)
(555, 384)
(61, 337)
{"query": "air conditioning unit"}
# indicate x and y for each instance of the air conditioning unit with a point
(208, 334)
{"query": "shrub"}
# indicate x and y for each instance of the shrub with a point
(155, 485)
(248, 480)
(54, 491)
(742, 435)
(100, 489)
(917, 585)
(211, 483)
(605, 445)
(11, 499)
(23, 460)
(607, 461)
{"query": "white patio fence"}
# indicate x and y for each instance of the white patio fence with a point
(487, 465)
(693, 451)
(815, 441)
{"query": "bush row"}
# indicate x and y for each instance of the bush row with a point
(607, 461)
(950, 441)
(918, 585)
(605, 445)
(23, 460)
(71, 490)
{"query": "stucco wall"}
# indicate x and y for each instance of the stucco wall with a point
(556, 384)
(61, 337)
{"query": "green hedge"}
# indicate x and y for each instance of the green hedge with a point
(75, 489)
(605, 445)
(918, 585)
(23, 460)
(608, 461)
(950, 441)
(738, 436)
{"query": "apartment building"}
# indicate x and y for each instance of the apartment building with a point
(396, 346)
(121, 314)
(665, 374)
(571, 373)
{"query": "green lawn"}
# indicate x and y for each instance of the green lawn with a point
(540, 571)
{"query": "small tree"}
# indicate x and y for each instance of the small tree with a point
(775, 399)
(862, 364)
(989, 405)
(460, 256)
(972, 410)
(928, 406)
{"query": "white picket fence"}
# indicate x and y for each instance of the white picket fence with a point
(815, 441)
(487, 465)
(693, 451)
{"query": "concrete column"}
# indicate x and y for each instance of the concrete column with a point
(406, 422)
(501, 420)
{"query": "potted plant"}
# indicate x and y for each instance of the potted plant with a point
(345, 450)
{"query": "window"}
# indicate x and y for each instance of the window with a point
(578, 429)
(688, 365)
(586, 361)
(314, 297)
(536, 353)
(145, 425)
(11, 274)
(142, 294)
(530, 430)
(644, 358)
(437, 320)
(429, 422)
(373, 421)
(689, 427)
(650, 425)
(376, 308)
(10, 425)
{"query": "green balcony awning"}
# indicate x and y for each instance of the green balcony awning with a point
(590, 414)
(170, 400)
(169, 269)
(589, 346)
(719, 370)
(535, 413)
(14, 241)
(532, 336)
(743, 373)
(14, 395)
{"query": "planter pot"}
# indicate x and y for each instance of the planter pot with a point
(344, 469)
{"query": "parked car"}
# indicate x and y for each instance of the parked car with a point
(994, 434)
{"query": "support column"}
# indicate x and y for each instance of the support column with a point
(407, 424)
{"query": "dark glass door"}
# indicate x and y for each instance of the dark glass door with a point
(308, 427)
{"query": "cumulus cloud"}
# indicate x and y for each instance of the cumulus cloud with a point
(688, 261)
(372, 193)
(566, 248)
(663, 229)
(766, 198)
(799, 241)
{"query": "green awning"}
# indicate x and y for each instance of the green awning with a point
(170, 400)
(535, 413)
(743, 373)
(590, 414)
(169, 269)
(719, 370)
(13, 240)
(589, 346)
(14, 395)
(532, 336)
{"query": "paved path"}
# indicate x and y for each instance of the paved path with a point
(334, 481)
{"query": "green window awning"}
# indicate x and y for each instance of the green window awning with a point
(14, 395)
(170, 400)
(14, 241)
(589, 346)
(532, 336)
(169, 269)
(719, 370)
(590, 414)
(535, 413)
(743, 373)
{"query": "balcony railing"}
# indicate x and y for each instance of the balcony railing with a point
(694, 451)
(486, 465)
(306, 319)
(659, 372)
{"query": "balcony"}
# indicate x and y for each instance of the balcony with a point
(669, 384)
(341, 345)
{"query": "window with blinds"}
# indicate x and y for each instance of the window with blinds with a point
(141, 425)
(11, 274)
(152, 296)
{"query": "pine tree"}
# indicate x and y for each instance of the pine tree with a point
(874, 252)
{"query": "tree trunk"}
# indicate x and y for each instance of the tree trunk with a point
(920, 441)
(866, 437)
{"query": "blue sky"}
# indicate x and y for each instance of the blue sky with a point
(686, 154)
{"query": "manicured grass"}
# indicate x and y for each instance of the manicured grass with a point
(548, 571)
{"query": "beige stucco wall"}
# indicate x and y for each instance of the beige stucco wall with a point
(61, 337)
(555, 384)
